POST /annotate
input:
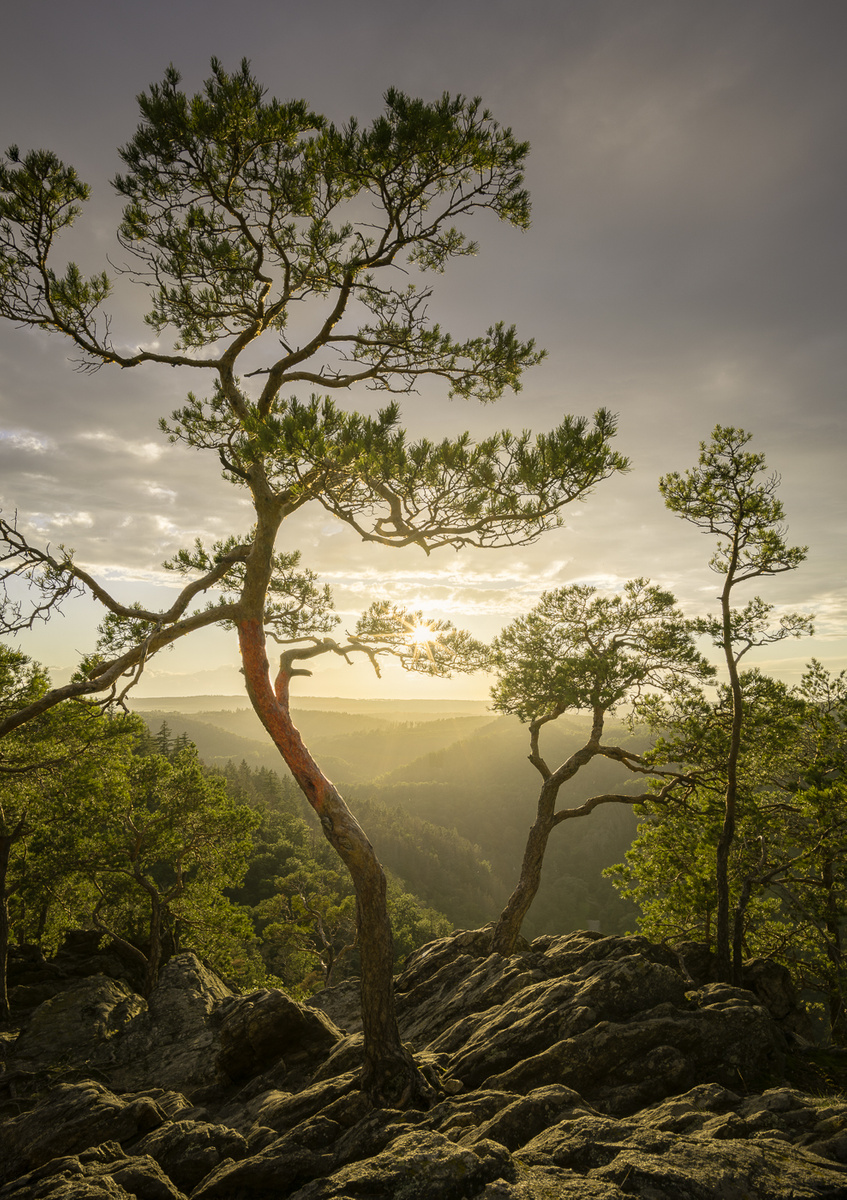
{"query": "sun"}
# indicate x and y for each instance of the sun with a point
(421, 637)
(422, 634)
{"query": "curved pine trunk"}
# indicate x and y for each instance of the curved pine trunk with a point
(389, 1075)
(508, 927)
(727, 955)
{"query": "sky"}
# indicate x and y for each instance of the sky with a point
(686, 266)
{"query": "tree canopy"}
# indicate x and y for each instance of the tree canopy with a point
(786, 866)
(730, 496)
(276, 249)
(580, 650)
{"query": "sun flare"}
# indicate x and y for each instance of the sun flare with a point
(420, 637)
(422, 634)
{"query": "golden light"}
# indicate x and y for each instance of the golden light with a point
(422, 634)
(421, 637)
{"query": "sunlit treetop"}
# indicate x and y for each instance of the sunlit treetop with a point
(730, 494)
(246, 216)
(580, 649)
(281, 252)
(239, 207)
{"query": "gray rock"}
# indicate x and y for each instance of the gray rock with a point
(420, 1165)
(720, 1035)
(257, 1030)
(542, 1014)
(173, 1045)
(455, 1116)
(101, 1173)
(75, 1025)
(342, 1004)
(188, 1150)
(662, 1166)
(458, 991)
(347, 1130)
(521, 1120)
(699, 1146)
(584, 1066)
(347, 1055)
(283, 1110)
(772, 985)
(548, 1184)
(572, 952)
(186, 994)
(277, 1171)
(166, 1042)
(73, 1118)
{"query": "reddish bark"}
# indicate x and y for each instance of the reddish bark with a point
(389, 1074)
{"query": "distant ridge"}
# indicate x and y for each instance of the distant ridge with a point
(195, 704)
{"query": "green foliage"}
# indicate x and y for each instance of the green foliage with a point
(303, 907)
(296, 603)
(578, 649)
(57, 760)
(164, 849)
(238, 209)
(238, 206)
(787, 867)
(447, 873)
(729, 495)
(56, 765)
(39, 197)
(235, 205)
(419, 645)
(99, 828)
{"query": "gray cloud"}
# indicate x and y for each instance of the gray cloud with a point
(686, 265)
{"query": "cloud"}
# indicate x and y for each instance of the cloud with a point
(160, 493)
(22, 439)
(149, 451)
(47, 522)
(829, 613)
(686, 265)
(166, 527)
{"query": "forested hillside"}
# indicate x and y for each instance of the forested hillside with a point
(351, 748)
(447, 800)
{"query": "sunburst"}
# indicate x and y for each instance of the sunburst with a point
(421, 637)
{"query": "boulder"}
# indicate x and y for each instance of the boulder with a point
(342, 1003)
(532, 1019)
(771, 983)
(173, 1044)
(102, 1173)
(77, 1024)
(419, 1165)
(188, 1150)
(621, 1066)
(74, 1118)
(587, 1067)
(256, 1031)
(32, 979)
(695, 1147)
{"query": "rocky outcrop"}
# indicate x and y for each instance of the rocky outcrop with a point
(583, 1066)
(269, 1028)
(75, 1117)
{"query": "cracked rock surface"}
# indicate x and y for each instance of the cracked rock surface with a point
(584, 1066)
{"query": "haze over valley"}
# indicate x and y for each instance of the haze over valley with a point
(410, 769)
